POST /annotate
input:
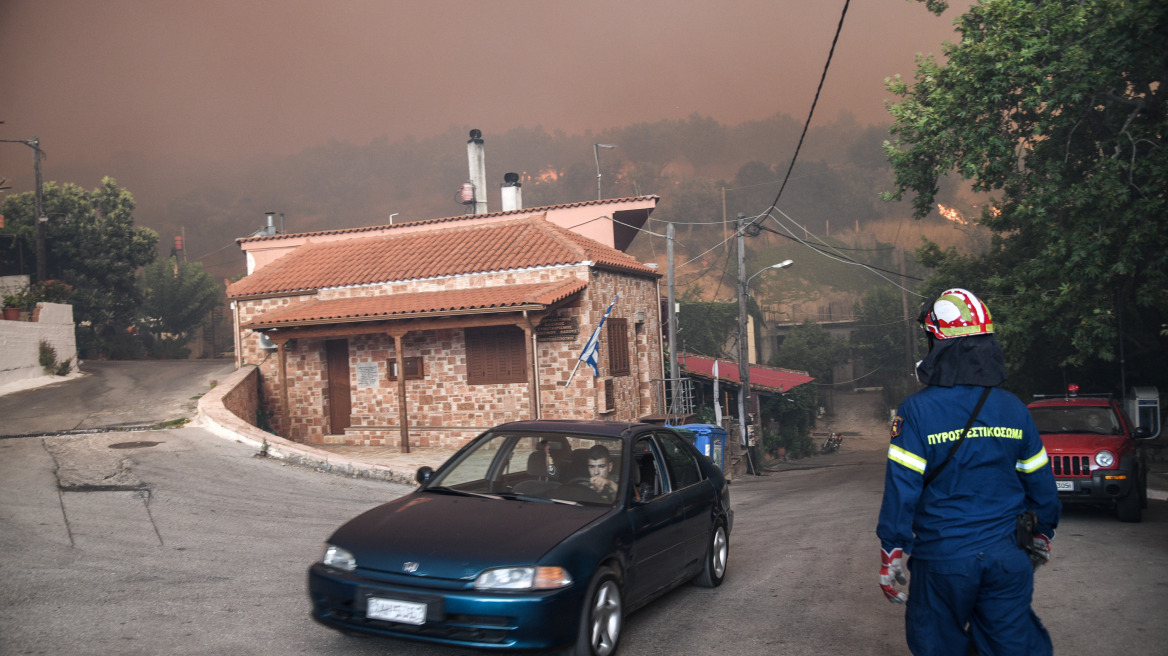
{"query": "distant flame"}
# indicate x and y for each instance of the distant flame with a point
(547, 175)
(951, 214)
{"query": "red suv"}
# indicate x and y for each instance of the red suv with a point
(1094, 452)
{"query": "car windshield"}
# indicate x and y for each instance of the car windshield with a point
(542, 467)
(1096, 420)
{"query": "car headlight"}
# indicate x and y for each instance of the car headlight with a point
(1104, 459)
(523, 578)
(339, 558)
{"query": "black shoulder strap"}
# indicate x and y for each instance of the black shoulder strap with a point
(969, 424)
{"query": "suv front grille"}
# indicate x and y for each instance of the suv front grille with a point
(1071, 465)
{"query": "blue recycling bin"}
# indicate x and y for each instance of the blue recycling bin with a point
(710, 439)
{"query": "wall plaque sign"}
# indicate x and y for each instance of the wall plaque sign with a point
(557, 329)
(367, 374)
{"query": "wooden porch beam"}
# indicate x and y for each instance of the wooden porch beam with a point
(402, 411)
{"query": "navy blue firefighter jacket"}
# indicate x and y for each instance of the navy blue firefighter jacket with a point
(999, 471)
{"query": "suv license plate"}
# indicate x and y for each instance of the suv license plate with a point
(394, 610)
(1065, 486)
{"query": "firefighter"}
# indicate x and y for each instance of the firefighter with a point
(971, 583)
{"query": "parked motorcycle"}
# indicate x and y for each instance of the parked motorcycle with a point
(832, 443)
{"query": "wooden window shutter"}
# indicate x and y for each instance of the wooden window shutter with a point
(495, 354)
(618, 346)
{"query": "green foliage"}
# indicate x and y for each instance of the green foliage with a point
(91, 245)
(794, 412)
(878, 341)
(170, 348)
(47, 356)
(1058, 109)
(707, 328)
(810, 348)
(177, 296)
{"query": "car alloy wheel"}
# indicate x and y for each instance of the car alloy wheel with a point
(603, 617)
(717, 556)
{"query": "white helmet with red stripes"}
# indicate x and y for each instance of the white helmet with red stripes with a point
(957, 313)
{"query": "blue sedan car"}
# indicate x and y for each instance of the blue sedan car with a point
(536, 535)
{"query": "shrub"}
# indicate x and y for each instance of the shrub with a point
(47, 357)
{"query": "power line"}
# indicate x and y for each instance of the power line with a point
(814, 102)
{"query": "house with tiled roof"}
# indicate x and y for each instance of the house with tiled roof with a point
(428, 333)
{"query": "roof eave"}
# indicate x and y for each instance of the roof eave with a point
(395, 317)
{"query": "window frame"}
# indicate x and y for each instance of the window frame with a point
(495, 355)
(414, 366)
(619, 360)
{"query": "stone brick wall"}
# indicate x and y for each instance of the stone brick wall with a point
(243, 399)
(442, 408)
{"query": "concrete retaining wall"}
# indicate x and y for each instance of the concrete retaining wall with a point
(20, 342)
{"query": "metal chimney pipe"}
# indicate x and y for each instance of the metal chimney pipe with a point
(476, 158)
(512, 192)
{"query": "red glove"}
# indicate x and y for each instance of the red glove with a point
(1040, 552)
(892, 567)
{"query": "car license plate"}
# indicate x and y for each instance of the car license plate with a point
(395, 610)
(1065, 486)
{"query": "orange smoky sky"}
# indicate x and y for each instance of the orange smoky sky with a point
(110, 82)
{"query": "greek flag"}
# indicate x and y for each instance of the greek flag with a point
(592, 348)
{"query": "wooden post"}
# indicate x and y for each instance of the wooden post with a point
(529, 337)
(403, 419)
(285, 420)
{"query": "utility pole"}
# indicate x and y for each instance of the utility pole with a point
(674, 374)
(743, 363)
(35, 144)
(40, 219)
(908, 328)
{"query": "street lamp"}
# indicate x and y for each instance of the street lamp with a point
(596, 153)
(780, 265)
(744, 398)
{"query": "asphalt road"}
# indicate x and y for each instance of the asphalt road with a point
(181, 542)
(113, 394)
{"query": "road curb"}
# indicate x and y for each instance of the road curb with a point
(216, 418)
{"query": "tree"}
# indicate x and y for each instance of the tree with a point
(812, 349)
(177, 296)
(879, 343)
(91, 243)
(1058, 110)
(711, 328)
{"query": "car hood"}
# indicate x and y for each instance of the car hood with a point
(1081, 443)
(456, 537)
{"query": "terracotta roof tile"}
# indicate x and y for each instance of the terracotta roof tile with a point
(449, 219)
(519, 244)
(398, 306)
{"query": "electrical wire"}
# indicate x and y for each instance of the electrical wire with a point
(814, 102)
(841, 257)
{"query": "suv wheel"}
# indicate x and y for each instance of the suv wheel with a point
(1127, 507)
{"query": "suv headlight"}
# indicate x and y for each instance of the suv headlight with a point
(338, 558)
(1104, 459)
(523, 578)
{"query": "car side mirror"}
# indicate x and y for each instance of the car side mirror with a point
(424, 475)
(1142, 433)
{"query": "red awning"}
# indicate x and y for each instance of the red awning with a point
(771, 379)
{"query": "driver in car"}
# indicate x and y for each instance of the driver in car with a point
(599, 471)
